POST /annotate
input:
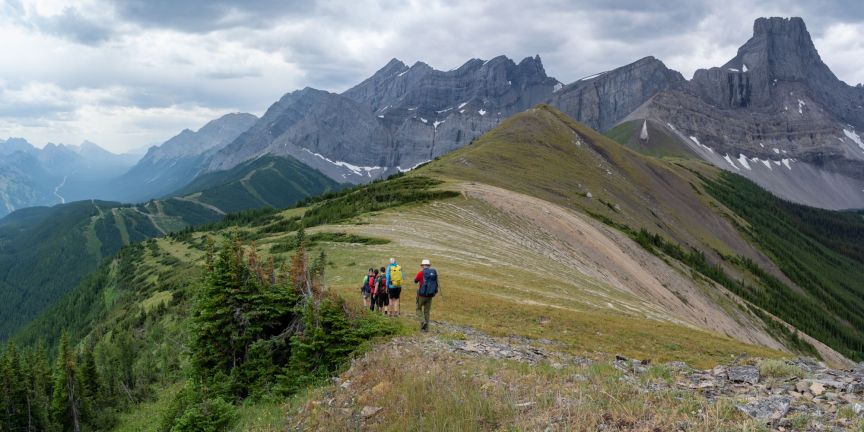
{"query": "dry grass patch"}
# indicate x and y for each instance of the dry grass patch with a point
(421, 389)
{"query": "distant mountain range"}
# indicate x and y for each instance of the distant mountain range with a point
(775, 106)
(55, 174)
(774, 113)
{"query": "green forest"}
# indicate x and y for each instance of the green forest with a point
(254, 332)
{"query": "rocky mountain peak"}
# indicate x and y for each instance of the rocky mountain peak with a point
(532, 66)
(13, 145)
(782, 49)
(779, 25)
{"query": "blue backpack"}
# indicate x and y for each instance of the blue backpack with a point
(430, 283)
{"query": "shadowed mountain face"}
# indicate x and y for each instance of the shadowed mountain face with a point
(172, 165)
(775, 107)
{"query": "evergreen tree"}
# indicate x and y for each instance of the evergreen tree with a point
(14, 392)
(241, 311)
(38, 389)
(66, 401)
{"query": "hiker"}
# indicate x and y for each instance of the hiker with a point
(394, 285)
(373, 284)
(366, 288)
(382, 298)
(427, 286)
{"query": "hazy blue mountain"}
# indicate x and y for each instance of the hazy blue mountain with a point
(172, 165)
(56, 173)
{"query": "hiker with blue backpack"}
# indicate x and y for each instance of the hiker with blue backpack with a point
(427, 287)
(394, 285)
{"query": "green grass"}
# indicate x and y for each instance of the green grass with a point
(145, 417)
(505, 298)
(661, 143)
(158, 298)
(780, 369)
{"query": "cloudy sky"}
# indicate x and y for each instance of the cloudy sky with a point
(132, 73)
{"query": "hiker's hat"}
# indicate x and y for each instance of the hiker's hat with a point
(425, 262)
(392, 260)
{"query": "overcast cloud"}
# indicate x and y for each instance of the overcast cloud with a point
(133, 73)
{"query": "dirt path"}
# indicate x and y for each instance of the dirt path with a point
(213, 208)
(152, 220)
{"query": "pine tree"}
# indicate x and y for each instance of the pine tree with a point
(240, 313)
(90, 385)
(66, 401)
(14, 392)
(38, 389)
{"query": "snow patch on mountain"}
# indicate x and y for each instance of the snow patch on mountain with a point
(413, 167)
(359, 170)
(743, 161)
(728, 159)
(696, 140)
(852, 135)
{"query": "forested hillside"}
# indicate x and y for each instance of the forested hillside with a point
(73, 239)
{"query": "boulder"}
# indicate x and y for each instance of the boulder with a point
(768, 409)
(817, 388)
(743, 374)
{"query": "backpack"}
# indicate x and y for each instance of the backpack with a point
(371, 284)
(396, 276)
(381, 285)
(365, 287)
(430, 283)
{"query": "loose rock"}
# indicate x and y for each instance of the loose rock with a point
(369, 411)
(768, 409)
(744, 374)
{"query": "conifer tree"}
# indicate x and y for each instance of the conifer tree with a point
(240, 312)
(13, 393)
(89, 375)
(38, 389)
(66, 404)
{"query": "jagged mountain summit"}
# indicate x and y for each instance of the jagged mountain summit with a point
(774, 106)
(776, 114)
(398, 118)
(405, 115)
